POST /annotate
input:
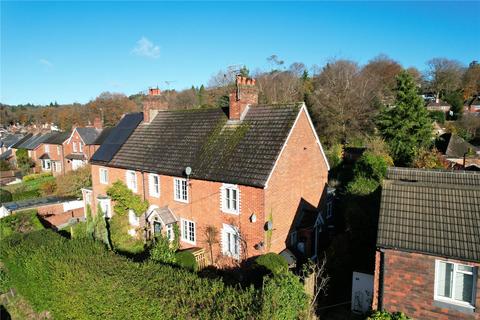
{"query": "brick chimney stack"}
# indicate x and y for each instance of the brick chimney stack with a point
(246, 94)
(97, 123)
(153, 103)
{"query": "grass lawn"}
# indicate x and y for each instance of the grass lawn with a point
(27, 190)
(18, 308)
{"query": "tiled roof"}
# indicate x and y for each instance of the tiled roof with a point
(7, 154)
(165, 214)
(10, 139)
(34, 141)
(75, 156)
(58, 138)
(89, 135)
(216, 149)
(431, 211)
(454, 146)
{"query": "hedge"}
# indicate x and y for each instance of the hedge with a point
(36, 176)
(19, 222)
(80, 279)
(272, 262)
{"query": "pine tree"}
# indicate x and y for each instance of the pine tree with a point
(406, 126)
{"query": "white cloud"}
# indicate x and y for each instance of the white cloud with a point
(146, 48)
(46, 63)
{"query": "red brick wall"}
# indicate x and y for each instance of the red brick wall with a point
(87, 150)
(203, 208)
(409, 286)
(300, 173)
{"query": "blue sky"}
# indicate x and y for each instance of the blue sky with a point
(72, 51)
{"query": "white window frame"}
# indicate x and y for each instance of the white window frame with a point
(228, 201)
(131, 183)
(169, 232)
(106, 206)
(180, 194)
(103, 172)
(186, 230)
(80, 146)
(74, 144)
(452, 300)
(231, 241)
(151, 185)
(47, 148)
(58, 150)
(44, 162)
(133, 219)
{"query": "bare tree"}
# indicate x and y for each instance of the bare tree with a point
(444, 75)
(316, 273)
(211, 238)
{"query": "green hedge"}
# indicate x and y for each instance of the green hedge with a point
(36, 176)
(272, 262)
(80, 279)
(19, 222)
(385, 315)
(186, 260)
(5, 196)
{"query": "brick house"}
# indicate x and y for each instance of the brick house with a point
(249, 171)
(438, 105)
(53, 157)
(428, 244)
(34, 145)
(473, 106)
(82, 144)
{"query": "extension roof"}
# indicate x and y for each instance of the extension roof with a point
(217, 149)
(89, 134)
(453, 146)
(58, 138)
(34, 203)
(431, 211)
(75, 156)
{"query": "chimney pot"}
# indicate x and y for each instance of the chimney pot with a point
(245, 94)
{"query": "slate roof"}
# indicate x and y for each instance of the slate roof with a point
(102, 136)
(58, 138)
(34, 141)
(216, 149)
(453, 146)
(7, 154)
(21, 141)
(34, 203)
(89, 135)
(165, 214)
(431, 211)
(10, 140)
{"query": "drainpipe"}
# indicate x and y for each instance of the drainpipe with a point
(144, 199)
(381, 280)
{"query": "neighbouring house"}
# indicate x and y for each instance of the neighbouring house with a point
(53, 157)
(428, 244)
(458, 152)
(248, 171)
(48, 206)
(8, 140)
(438, 105)
(35, 148)
(82, 144)
(473, 106)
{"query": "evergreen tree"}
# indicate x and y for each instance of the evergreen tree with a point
(201, 95)
(244, 71)
(100, 227)
(406, 126)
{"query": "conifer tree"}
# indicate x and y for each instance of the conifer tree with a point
(406, 126)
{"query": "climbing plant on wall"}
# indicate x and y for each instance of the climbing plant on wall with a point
(126, 200)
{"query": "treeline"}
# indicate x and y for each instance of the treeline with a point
(343, 96)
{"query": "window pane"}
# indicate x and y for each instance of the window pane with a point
(234, 199)
(444, 284)
(465, 268)
(463, 287)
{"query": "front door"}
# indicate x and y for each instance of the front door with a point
(157, 228)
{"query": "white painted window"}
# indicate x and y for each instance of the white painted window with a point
(230, 241)
(29, 153)
(105, 206)
(46, 164)
(455, 283)
(74, 146)
(230, 198)
(58, 150)
(133, 219)
(47, 148)
(170, 233)
(154, 185)
(180, 189)
(103, 176)
(188, 231)
(80, 146)
(131, 178)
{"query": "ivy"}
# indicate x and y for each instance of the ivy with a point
(126, 200)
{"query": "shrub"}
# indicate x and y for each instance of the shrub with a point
(5, 165)
(384, 315)
(438, 116)
(284, 298)
(72, 182)
(79, 231)
(369, 172)
(23, 194)
(35, 176)
(121, 240)
(334, 155)
(429, 159)
(5, 196)
(362, 186)
(163, 250)
(272, 262)
(19, 222)
(126, 200)
(186, 260)
(48, 187)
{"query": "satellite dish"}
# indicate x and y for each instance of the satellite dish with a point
(188, 171)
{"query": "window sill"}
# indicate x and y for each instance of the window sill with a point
(230, 212)
(231, 255)
(180, 200)
(157, 196)
(453, 305)
(189, 242)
